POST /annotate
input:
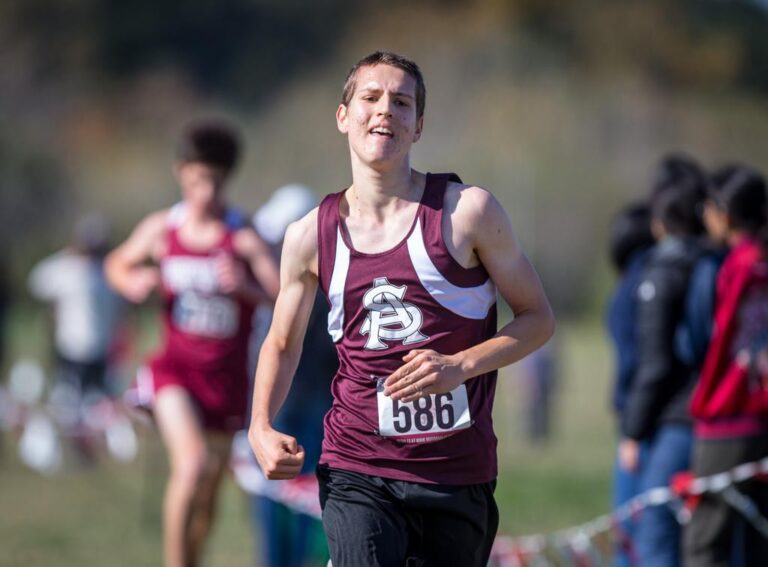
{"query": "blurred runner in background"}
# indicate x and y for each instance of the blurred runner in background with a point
(211, 269)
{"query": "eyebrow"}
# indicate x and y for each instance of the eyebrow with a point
(379, 89)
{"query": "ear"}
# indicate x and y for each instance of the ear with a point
(419, 129)
(342, 119)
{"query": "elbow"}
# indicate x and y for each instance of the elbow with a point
(280, 348)
(548, 324)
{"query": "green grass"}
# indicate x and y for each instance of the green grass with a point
(110, 514)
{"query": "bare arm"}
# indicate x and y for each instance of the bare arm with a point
(126, 267)
(482, 224)
(251, 248)
(279, 455)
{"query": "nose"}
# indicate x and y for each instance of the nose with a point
(385, 104)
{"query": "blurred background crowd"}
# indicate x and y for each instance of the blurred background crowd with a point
(636, 128)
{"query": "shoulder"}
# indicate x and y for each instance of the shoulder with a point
(301, 235)
(470, 201)
(154, 224)
(476, 216)
(300, 244)
(245, 239)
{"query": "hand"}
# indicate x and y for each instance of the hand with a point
(424, 372)
(230, 273)
(629, 454)
(279, 455)
(141, 282)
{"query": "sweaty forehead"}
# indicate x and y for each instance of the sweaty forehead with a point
(385, 77)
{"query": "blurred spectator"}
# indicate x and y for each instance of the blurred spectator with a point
(730, 403)
(538, 376)
(629, 246)
(287, 537)
(656, 409)
(86, 316)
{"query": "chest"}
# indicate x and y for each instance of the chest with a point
(182, 273)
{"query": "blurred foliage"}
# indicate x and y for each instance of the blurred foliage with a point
(561, 109)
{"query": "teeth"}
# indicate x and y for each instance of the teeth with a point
(382, 131)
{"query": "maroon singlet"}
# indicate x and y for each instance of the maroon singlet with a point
(206, 332)
(413, 296)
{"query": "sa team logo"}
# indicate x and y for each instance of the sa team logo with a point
(389, 318)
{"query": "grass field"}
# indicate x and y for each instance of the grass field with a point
(110, 514)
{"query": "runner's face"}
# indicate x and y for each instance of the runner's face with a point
(380, 120)
(201, 185)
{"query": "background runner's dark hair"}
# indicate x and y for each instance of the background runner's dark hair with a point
(630, 232)
(212, 142)
(393, 60)
(740, 191)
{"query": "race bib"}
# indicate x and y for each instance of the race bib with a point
(207, 316)
(430, 418)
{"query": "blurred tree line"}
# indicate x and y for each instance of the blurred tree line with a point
(92, 92)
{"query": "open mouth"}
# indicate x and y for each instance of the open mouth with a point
(381, 131)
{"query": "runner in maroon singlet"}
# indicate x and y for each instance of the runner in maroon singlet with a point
(211, 269)
(410, 264)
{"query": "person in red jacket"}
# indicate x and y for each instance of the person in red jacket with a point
(730, 402)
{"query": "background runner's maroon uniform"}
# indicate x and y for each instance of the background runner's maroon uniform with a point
(415, 295)
(206, 332)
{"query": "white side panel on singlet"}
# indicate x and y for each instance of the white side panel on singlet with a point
(336, 289)
(470, 302)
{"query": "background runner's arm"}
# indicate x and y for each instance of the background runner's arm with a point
(279, 455)
(126, 268)
(261, 263)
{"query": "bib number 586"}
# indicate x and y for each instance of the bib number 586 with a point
(427, 418)
(420, 414)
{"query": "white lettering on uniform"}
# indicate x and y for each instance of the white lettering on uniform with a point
(389, 317)
(184, 274)
(199, 309)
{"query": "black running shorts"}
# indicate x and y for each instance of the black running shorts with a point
(378, 522)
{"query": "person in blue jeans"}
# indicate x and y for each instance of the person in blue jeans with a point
(630, 242)
(656, 412)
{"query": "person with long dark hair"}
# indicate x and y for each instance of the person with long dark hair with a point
(730, 402)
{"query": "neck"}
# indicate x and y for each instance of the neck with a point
(202, 215)
(376, 188)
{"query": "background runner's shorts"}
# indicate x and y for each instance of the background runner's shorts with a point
(220, 396)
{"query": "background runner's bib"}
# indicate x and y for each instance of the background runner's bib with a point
(204, 329)
(199, 314)
(382, 306)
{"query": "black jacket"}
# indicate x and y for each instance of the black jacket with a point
(662, 386)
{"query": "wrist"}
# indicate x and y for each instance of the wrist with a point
(467, 366)
(260, 424)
